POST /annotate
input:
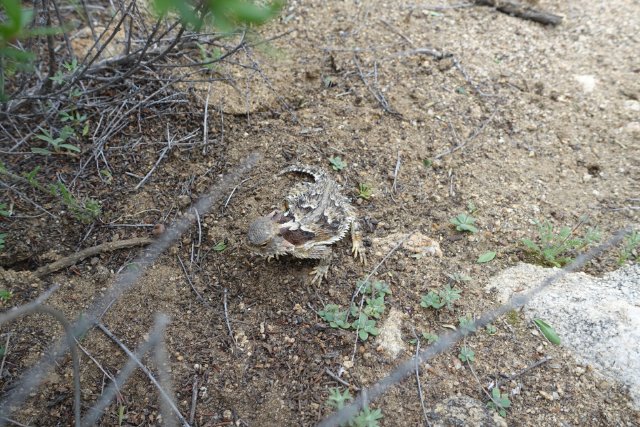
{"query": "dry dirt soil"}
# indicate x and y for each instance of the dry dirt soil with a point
(519, 122)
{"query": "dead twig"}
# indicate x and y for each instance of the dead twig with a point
(338, 379)
(134, 360)
(94, 250)
(522, 11)
(226, 317)
(186, 274)
(525, 370)
(420, 395)
(6, 351)
(377, 94)
(475, 134)
(194, 399)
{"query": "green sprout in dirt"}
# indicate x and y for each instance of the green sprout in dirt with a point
(466, 325)
(467, 355)
(499, 402)
(365, 320)
(338, 399)
(486, 257)
(445, 297)
(84, 211)
(365, 327)
(4, 210)
(220, 246)
(334, 316)
(3, 236)
(629, 247)
(366, 418)
(337, 163)
(58, 143)
(459, 277)
(464, 222)
(429, 337)
(365, 191)
(5, 295)
(556, 248)
(491, 329)
(547, 330)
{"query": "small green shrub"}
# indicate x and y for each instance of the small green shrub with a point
(445, 297)
(557, 249)
(464, 222)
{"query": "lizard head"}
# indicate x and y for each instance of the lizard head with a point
(264, 236)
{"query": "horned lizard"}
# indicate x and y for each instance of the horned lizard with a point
(317, 215)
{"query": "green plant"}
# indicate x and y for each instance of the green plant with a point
(459, 277)
(5, 295)
(466, 324)
(548, 331)
(367, 418)
(499, 402)
(555, 248)
(121, 409)
(486, 257)
(376, 287)
(445, 297)
(364, 191)
(220, 246)
(337, 163)
(467, 355)
(58, 143)
(429, 337)
(2, 240)
(14, 26)
(4, 210)
(222, 14)
(334, 316)
(365, 327)
(427, 163)
(84, 211)
(372, 309)
(338, 399)
(491, 329)
(464, 222)
(629, 247)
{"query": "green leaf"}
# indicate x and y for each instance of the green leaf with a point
(467, 355)
(432, 300)
(548, 332)
(43, 151)
(338, 399)
(431, 338)
(337, 163)
(69, 147)
(486, 257)
(464, 222)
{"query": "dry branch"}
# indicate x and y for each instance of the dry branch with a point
(522, 11)
(94, 250)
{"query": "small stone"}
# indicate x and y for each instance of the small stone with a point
(546, 395)
(348, 364)
(184, 200)
(227, 415)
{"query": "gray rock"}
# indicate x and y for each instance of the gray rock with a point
(464, 411)
(598, 319)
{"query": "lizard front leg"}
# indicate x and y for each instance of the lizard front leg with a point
(357, 248)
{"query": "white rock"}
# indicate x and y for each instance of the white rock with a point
(587, 81)
(598, 319)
